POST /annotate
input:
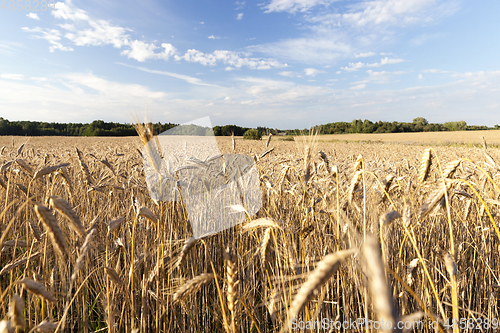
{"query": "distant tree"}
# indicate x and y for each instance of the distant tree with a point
(252, 134)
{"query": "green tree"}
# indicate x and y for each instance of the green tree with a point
(252, 134)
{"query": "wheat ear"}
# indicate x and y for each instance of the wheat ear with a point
(37, 289)
(50, 223)
(323, 272)
(63, 207)
(232, 285)
(49, 169)
(380, 291)
(16, 311)
(192, 286)
(425, 165)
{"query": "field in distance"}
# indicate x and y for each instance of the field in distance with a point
(463, 137)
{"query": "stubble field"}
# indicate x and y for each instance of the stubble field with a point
(385, 232)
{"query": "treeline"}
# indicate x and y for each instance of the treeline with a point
(101, 128)
(366, 126)
(96, 128)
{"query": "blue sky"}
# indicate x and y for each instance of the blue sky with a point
(275, 63)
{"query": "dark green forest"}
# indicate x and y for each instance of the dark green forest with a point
(101, 128)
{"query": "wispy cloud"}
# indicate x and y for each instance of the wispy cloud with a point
(230, 58)
(239, 16)
(188, 79)
(359, 86)
(240, 5)
(53, 36)
(293, 6)
(83, 97)
(12, 76)
(359, 26)
(384, 61)
(213, 37)
(424, 38)
(364, 55)
(306, 50)
(289, 74)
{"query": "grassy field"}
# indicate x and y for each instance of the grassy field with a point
(382, 231)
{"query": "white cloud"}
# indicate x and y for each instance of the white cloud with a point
(33, 16)
(312, 71)
(352, 67)
(287, 74)
(388, 61)
(239, 16)
(420, 77)
(141, 51)
(435, 71)
(397, 12)
(213, 37)
(364, 55)
(66, 12)
(228, 58)
(359, 86)
(12, 76)
(384, 61)
(100, 33)
(293, 6)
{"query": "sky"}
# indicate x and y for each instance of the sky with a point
(275, 63)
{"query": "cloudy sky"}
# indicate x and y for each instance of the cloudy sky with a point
(275, 63)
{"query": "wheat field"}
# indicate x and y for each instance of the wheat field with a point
(384, 232)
